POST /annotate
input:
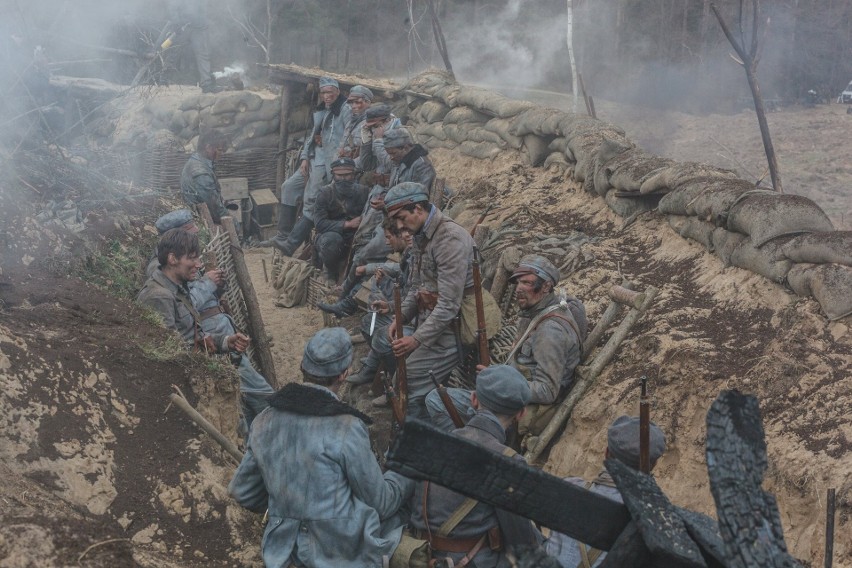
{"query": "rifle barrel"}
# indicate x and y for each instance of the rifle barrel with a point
(481, 332)
(448, 402)
(644, 428)
(401, 371)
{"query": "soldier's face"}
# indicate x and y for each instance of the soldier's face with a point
(396, 154)
(525, 292)
(411, 221)
(343, 174)
(358, 104)
(328, 95)
(186, 267)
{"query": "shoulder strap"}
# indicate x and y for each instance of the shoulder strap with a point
(466, 507)
(185, 301)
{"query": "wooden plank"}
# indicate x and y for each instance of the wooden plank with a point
(423, 452)
(281, 72)
(629, 550)
(736, 461)
(283, 132)
(662, 529)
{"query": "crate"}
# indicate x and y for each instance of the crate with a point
(234, 189)
(264, 207)
(264, 233)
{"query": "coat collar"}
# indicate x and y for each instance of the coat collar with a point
(311, 400)
(485, 421)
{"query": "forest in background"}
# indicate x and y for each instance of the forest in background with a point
(660, 53)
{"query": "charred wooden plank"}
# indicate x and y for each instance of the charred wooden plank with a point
(629, 550)
(661, 527)
(422, 452)
(736, 461)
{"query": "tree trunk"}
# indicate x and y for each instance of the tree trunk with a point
(569, 40)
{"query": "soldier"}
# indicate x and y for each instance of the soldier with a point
(190, 16)
(167, 292)
(482, 535)
(322, 148)
(360, 98)
(308, 462)
(622, 445)
(198, 182)
(548, 345)
(441, 276)
(410, 160)
(337, 215)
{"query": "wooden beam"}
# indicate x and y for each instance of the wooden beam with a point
(283, 133)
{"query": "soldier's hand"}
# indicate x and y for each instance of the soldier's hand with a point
(480, 368)
(362, 270)
(392, 334)
(404, 345)
(380, 307)
(352, 223)
(379, 131)
(378, 203)
(238, 342)
(207, 345)
(216, 276)
(305, 168)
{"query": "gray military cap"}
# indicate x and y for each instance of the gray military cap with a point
(397, 138)
(502, 389)
(328, 353)
(326, 81)
(622, 439)
(343, 163)
(176, 220)
(362, 92)
(538, 265)
(403, 194)
(380, 110)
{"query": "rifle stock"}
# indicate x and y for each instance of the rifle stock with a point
(481, 332)
(448, 402)
(401, 372)
(393, 399)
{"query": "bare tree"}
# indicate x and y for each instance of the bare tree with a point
(749, 60)
(569, 39)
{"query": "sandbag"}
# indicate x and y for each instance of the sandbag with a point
(725, 243)
(465, 115)
(535, 149)
(433, 111)
(610, 155)
(717, 198)
(761, 260)
(829, 284)
(766, 216)
(677, 201)
(634, 167)
(481, 150)
(435, 130)
(820, 248)
(558, 144)
(479, 134)
(679, 173)
(627, 206)
(571, 125)
(537, 120)
(455, 132)
(292, 282)
(433, 143)
(491, 102)
(695, 229)
(502, 128)
(268, 141)
(449, 94)
(207, 120)
(557, 159)
(236, 101)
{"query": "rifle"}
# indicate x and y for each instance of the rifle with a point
(481, 218)
(401, 372)
(394, 401)
(644, 428)
(448, 402)
(481, 332)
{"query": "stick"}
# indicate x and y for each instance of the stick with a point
(255, 318)
(448, 402)
(401, 371)
(101, 543)
(205, 425)
(592, 107)
(644, 428)
(829, 528)
(265, 273)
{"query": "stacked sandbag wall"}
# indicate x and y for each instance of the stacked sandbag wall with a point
(786, 238)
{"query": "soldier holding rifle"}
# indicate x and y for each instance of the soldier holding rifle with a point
(441, 275)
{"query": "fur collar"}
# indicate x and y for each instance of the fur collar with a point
(417, 151)
(311, 401)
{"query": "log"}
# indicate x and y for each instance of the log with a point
(662, 529)
(255, 319)
(423, 452)
(629, 550)
(205, 425)
(283, 134)
(736, 461)
(587, 376)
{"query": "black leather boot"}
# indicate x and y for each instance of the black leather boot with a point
(342, 308)
(286, 220)
(301, 232)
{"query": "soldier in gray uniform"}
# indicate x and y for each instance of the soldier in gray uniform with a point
(322, 148)
(483, 535)
(548, 346)
(308, 462)
(623, 445)
(191, 17)
(411, 162)
(337, 215)
(441, 276)
(360, 98)
(194, 312)
(198, 182)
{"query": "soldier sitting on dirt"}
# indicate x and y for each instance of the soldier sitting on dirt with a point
(308, 462)
(166, 292)
(548, 346)
(198, 182)
(481, 534)
(622, 445)
(337, 214)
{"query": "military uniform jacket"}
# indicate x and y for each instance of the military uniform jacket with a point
(173, 303)
(335, 205)
(198, 184)
(416, 167)
(330, 123)
(486, 430)
(551, 352)
(308, 461)
(442, 260)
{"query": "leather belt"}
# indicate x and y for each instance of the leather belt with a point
(210, 312)
(442, 544)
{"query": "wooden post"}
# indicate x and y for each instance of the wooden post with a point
(283, 132)
(205, 425)
(829, 527)
(255, 319)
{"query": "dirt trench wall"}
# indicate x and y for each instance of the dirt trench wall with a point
(786, 238)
